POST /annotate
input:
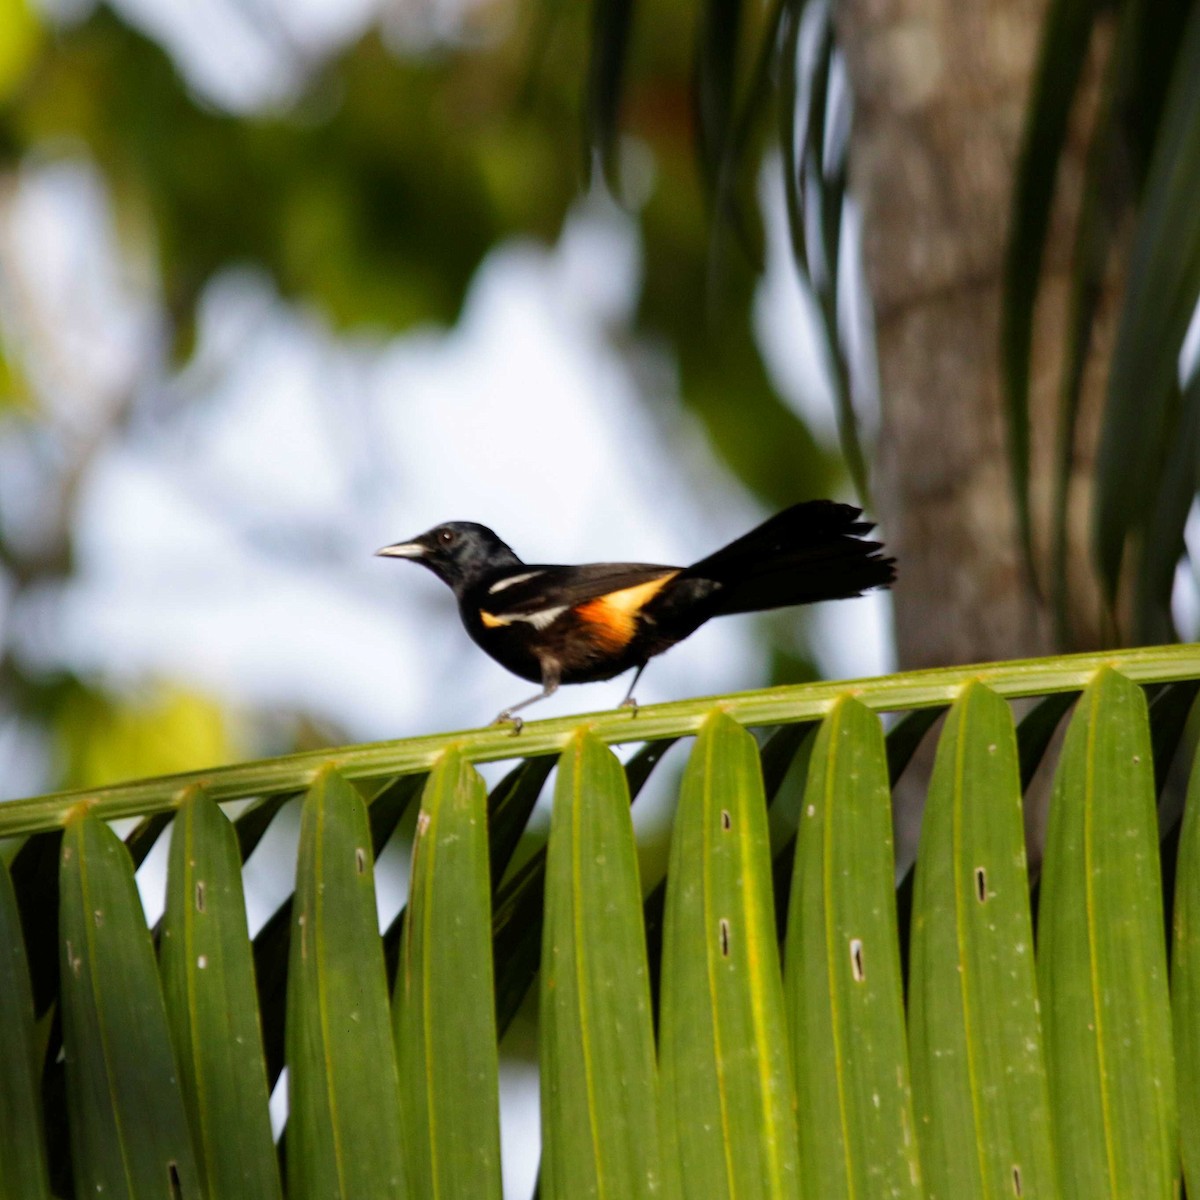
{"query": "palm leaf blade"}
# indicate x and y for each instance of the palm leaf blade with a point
(599, 1119)
(728, 1117)
(443, 1009)
(979, 1078)
(849, 1050)
(22, 1142)
(1185, 982)
(340, 1059)
(1164, 282)
(208, 984)
(129, 1131)
(1102, 974)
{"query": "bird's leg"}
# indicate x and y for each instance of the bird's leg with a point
(550, 677)
(629, 701)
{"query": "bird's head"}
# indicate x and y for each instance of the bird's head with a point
(459, 553)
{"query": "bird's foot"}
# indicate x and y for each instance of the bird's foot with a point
(631, 703)
(507, 718)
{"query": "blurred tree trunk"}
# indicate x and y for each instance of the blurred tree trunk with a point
(940, 96)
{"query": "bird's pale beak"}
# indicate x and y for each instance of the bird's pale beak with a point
(402, 550)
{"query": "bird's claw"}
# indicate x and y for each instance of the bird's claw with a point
(507, 718)
(630, 703)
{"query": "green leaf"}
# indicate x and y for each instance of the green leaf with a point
(1162, 543)
(208, 983)
(979, 1079)
(1164, 282)
(719, 39)
(388, 806)
(849, 1051)
(517, 919)
(34, 872)
(1102, 972)
(1185, 982)
(341, 1063)
(905, 737)
(20, 39)
(509, 805)
(1037, 730)
(778, 753)
(612, 21)
(795, 155)
(23, 1173)
(517, 937)
(809, 167)
(444, 1012)
(599, 1120)
(140, 841)
(1102, 205)
(129, 1131)
(729, 1124)
(1171, 711)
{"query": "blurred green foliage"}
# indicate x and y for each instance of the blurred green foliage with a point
(380, 192)
(20, 38)
(377, 196)
(101, 739)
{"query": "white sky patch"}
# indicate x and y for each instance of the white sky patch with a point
(249, 57)
(520, 1113)
(269, 429)
(786, 319)
(80, 304)
(852, 639)
(219, 47)
(252, 57)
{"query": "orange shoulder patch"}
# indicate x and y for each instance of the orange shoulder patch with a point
(612, 619)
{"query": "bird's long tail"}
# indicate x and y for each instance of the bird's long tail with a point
(811, 551)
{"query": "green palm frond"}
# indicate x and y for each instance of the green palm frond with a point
(816, 1027)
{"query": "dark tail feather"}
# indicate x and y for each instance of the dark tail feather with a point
(812, 551)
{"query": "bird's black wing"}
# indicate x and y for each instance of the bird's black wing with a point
(531, 589)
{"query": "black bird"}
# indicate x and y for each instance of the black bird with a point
(556, 625)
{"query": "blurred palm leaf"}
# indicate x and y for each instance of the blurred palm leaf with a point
(746, 65)
(1143, 414)
(1143, 156)
(1068, 1102)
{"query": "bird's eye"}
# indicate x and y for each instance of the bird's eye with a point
(446, 536)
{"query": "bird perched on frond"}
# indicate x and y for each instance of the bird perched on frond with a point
(563, 624)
